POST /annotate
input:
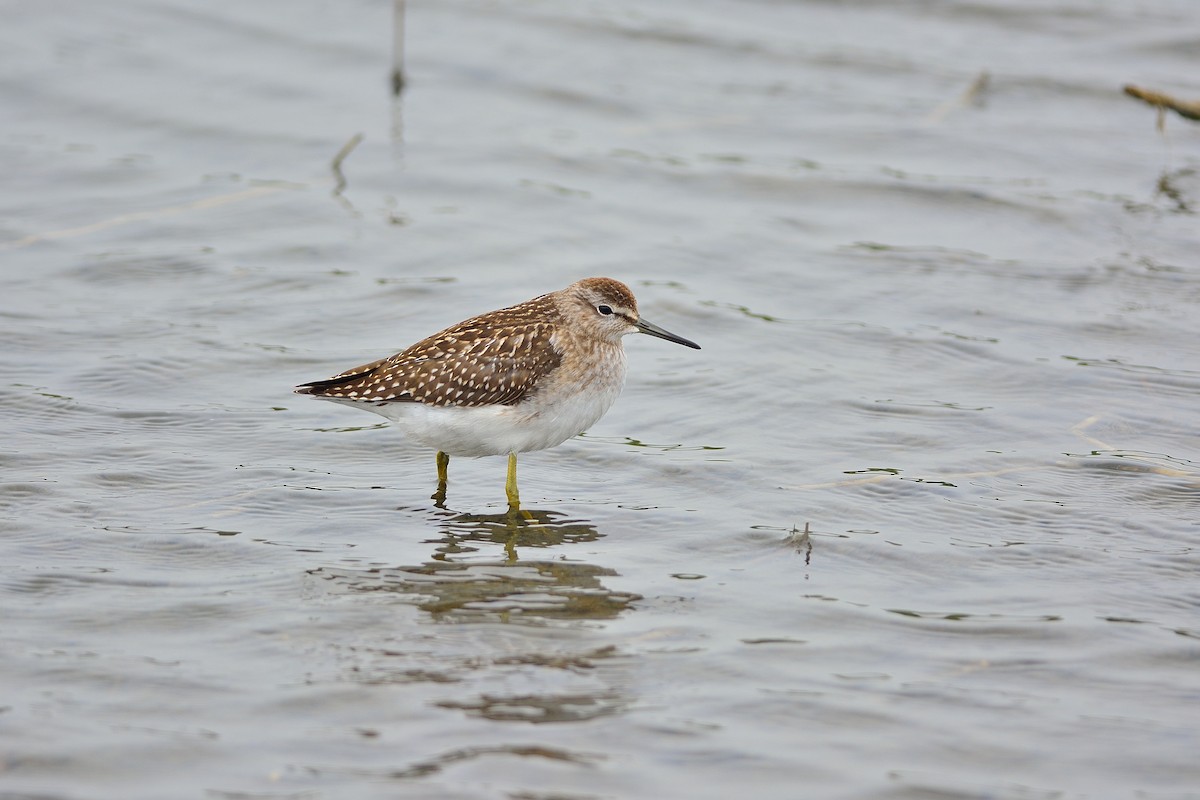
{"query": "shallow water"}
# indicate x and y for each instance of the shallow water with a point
(954, 336)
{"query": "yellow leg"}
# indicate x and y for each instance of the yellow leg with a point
(510, 487)
(439, 497)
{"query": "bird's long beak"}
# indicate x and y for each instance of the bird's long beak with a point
(649, 327)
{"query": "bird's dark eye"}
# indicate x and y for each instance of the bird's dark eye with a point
(605, 310)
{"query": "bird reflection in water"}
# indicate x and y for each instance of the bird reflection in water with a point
(466, 533)
(462, 582)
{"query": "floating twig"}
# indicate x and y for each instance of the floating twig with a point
(150, 214)
(972, 95)
(397, 47)
(1148, 463)
(346, 150)
(1188, 109)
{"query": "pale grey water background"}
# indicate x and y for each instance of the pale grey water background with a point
(959, 339)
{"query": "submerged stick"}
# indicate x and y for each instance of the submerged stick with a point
(1189, 109)
(150, 214)
(336, 165)
(397, 47)
(972, 94)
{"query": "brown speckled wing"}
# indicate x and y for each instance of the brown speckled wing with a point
(493, 359)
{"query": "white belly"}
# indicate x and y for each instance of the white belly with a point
(553, 415)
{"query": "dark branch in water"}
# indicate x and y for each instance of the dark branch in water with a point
(397, 47)
(347, 148)
(1189, 109)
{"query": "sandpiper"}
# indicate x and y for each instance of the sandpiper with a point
(522, 378)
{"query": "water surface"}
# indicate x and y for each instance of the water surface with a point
(948, 325)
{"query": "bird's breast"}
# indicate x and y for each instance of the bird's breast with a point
(573, 399)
